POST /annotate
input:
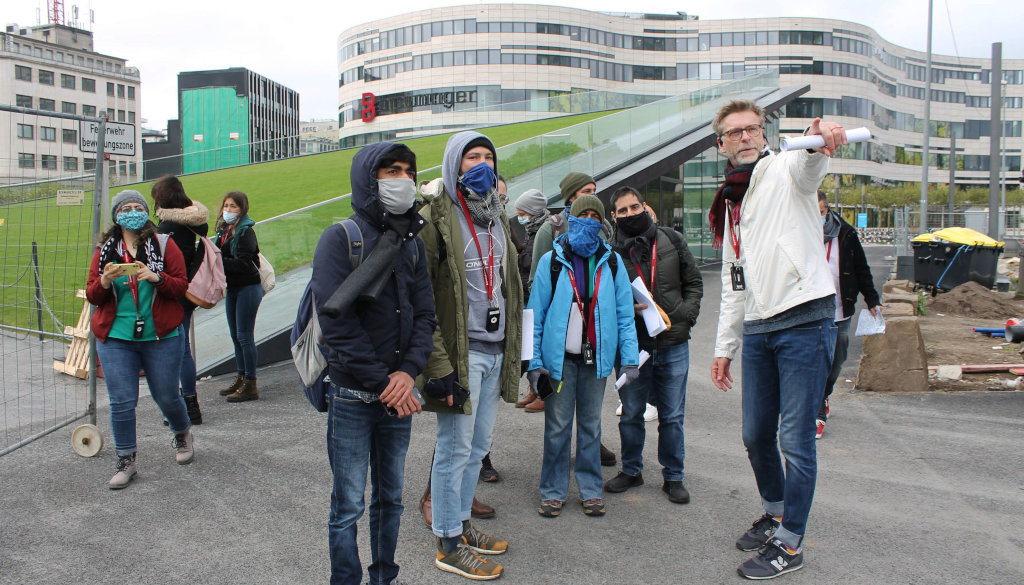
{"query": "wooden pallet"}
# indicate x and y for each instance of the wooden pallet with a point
(77, 361)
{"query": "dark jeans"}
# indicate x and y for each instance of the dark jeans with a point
(359, 432)
(121, 361)
(784, 375)
(842, 349)
(240, 306)
(187, 374)
(662, 382)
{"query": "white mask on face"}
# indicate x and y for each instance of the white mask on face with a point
(396, 195)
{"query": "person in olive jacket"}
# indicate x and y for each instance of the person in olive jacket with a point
(661, 259)
(240, 252)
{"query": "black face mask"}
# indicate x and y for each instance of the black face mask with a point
(634, 225)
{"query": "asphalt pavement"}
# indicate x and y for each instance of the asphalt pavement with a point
(912, 488)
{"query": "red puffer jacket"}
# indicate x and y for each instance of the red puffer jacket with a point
(167, 312)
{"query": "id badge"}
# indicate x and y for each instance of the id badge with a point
(737, 278)
(588, 353)
(493, 319)
(140, 324)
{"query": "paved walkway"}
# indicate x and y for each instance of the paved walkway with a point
(912, 489)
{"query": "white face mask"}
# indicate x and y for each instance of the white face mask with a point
(230, 216)
(396, 195)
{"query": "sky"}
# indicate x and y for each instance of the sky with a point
(296, 46)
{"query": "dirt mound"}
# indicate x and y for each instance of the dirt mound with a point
(971, 299)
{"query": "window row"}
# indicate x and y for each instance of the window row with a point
(67, 58)
(48, 133)
(26, 101)
(67, 81)
(27, 160)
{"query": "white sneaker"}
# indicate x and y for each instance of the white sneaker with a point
(618, 409)
(651, 413)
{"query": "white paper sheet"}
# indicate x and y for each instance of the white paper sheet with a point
(644, 356)
(799, 142)
(527, 353)
(652, 319)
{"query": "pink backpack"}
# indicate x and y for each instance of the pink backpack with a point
(208, 285)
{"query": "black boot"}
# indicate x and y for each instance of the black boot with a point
(194, 414)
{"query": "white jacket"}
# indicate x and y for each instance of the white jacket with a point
(780, 245)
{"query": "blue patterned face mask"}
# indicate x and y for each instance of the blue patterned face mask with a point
(132, 220)
(584, 235)
(479, 179)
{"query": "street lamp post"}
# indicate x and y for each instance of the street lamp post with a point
(1002, 161)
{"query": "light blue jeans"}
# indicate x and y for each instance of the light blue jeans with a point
(579, 396)
(462, 442)
(784, 375)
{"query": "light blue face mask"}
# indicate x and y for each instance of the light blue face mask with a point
(230, 217)
(524, 220)
(132, 220)
(824, 219)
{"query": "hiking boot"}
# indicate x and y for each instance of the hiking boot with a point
(593, 507)
(481, 510)
(530, 397)
(246, 392)
(820, 429)
(772, 560)
(235, 385)
(125, 473)
(463, 561)
(182, 443)
(480, 543)
(535, 406)
(487, 471)
(607, 457)
(550, 508)
(192, 406)
(622, 482)
(677, 492)
(759, 534)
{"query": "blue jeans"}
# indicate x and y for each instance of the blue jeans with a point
(462, 442)
(662, 382)
(784, 375)
(580, 395)
(187, 375)
(240, 305)
(121, 361)
(842, 348)
(358, 432)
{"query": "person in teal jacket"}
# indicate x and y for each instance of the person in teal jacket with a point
(580, 322)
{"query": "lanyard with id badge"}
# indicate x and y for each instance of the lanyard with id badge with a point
(133, 286)
(588, 348)
(493, 312)
(736, 271)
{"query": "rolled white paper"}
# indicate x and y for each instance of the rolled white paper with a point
(816, 141)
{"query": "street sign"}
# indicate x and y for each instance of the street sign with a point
(120, 139)
(862, 220)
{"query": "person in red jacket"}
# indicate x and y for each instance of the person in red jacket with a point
(134, 281)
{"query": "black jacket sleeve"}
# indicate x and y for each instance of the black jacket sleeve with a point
(244, 266)
(865, 284)
(421, 295)
(693, 283)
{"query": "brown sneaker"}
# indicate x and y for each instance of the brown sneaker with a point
(246, 392)
(480, 543)
(235, 385)
(463, 561)
(482, 510)
(426, 508)
(593, 507)
(550, 508)
(530, 397)
(535, 406)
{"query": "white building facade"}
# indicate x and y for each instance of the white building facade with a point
(468, 66)
(53, 67)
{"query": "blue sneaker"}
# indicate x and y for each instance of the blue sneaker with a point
(771, 561)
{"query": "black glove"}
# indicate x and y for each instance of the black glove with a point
(630, 372)
(534, 375)
(440, 388)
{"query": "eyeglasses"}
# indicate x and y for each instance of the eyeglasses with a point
(753, 131)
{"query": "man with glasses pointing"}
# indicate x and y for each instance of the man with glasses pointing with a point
(779, 298)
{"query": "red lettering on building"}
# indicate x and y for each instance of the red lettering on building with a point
(369, 111)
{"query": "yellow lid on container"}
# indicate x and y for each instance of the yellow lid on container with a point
(960, 235)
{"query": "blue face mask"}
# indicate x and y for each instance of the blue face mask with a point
(584, 235)
(132, 220)
(230, 217)
(479, 179)
(824, 219)
(524, 220)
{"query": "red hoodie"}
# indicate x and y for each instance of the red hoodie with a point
(167, 312)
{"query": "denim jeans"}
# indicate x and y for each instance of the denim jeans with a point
(784, 375)
(121, 361)
(462, 442)
(240, 305)
(662, 382)
(842, 348)
(358, 432)
(580, 395)
(187, 375)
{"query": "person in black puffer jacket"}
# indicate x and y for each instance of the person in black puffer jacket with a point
(240, 251)
(184, 220)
